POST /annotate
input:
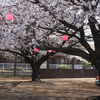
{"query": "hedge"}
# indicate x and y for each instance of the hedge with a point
(17, 69)
(63, 67)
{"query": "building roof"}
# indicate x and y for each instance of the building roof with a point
(62, 55)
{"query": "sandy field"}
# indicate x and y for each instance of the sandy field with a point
(21, 88)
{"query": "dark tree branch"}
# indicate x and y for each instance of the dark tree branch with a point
(77, 52)
(7, 50)
(69, 25)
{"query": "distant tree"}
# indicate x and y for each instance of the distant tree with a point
(85, 64)
(5, 55)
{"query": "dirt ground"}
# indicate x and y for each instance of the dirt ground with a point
(21, 88)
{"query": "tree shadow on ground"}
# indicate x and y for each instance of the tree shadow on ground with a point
(93, 98)
(15, 84)
(8, 85)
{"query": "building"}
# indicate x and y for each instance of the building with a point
(60, 59)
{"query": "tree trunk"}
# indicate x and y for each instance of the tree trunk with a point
(36, 66)
(99, 77)
(48, 64)
(33, 75)
(35, 72)
(99, 74)
(98, 69)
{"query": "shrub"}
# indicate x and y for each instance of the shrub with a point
(63, 67)
(17, 69)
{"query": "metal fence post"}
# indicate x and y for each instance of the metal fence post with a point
(26, 67)
(3, 67)
(17, 72)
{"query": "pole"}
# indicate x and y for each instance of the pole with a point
(15, 65)
(26, 67)
(3, 66)
(73, 63)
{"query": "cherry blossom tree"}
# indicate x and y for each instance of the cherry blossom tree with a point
(19, 34)
(79, 20)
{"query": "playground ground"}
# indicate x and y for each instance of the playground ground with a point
(21, 88)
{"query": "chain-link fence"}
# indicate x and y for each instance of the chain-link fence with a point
(25, 68)
(21, 69)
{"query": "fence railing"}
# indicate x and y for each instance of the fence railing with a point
(7, 66)
(56, 66)
(25, 68)
(78, 66)
(21, 69)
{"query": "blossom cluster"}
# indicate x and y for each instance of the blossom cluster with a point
(28, 16)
